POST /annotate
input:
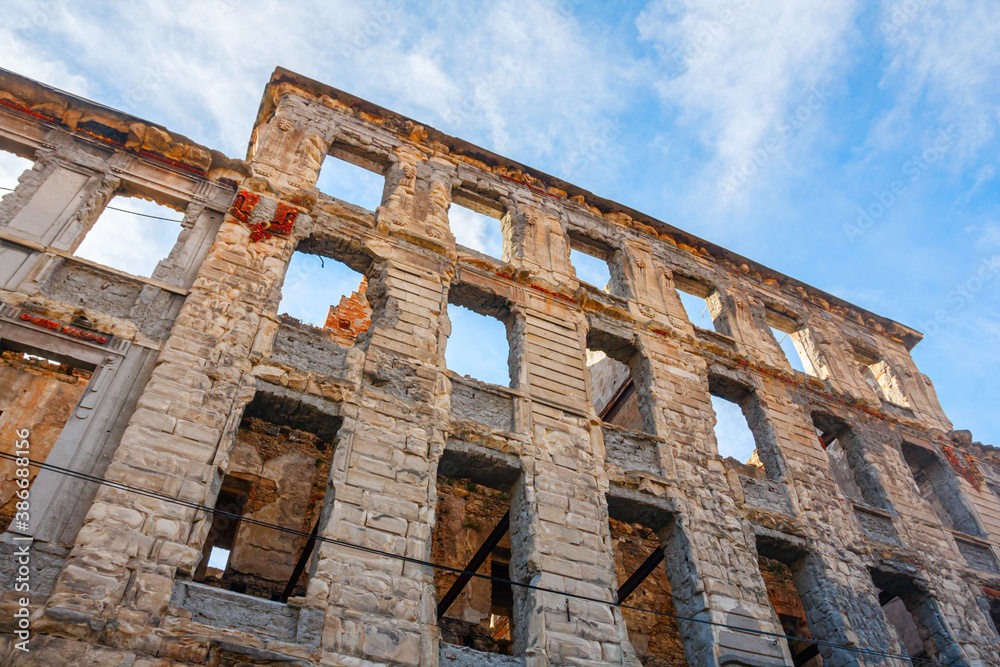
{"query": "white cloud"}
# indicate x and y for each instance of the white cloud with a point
(475, 230)
(511, 75)
(11, 168)
(943, 56)
(741, 70)
(131, 243)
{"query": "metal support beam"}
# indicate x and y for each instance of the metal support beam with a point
(805, 655)
(477, 560)
(301, 564)
(640, 574)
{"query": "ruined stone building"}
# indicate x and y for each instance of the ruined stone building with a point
(863, 521)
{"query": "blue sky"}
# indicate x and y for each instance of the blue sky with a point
(849, 144)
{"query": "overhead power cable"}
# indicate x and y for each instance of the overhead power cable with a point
(125, 210)
(454, 570)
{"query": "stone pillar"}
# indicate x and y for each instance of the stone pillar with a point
(534, 240)
(177, 443)
(559, 515)
(710, 560)
(380, 608)
(177, 440)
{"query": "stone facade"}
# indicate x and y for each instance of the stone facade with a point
(860, 502)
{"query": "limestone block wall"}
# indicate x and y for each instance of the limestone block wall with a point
(187, 351)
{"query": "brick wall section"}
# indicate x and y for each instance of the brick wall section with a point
(350, 317)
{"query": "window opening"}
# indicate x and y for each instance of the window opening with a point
(741, 428)
(911, 611)
(472, 533)
(476, 225)
(619, 382)
(784, 569)
(850, 470)
(732, 433)
(599, 265)
(325, 293)
(479, 343)
(132, 235)
(784, 341)
(938, 486)
(11, 168)
(218, 557)
(880, 376)
(993, 612)
(277, 474)
(591, 270)
(701, 302)
(642, 573)
(352, 178)
(38, 392)
(794, 342)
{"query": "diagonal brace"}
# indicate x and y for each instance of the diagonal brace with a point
(805, 655)
(640, 574)
(300, 565)
(477, 560)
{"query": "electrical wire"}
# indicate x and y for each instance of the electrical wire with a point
(454, 570)
(125, 210)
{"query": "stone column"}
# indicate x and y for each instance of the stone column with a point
(710, 559)
(380, 608)
(559, 514)
(177, 443)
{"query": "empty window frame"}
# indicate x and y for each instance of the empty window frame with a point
(794, 341)
(620, 379)
(854, 475)
(741, 427)
(326, 287)
(472, 533)
(701, 302)
(786, 571)
(475, 223)
(132, 235)
(277, 474)
(11, 168)
(913, 613)
(642, 582)
(352, 177)
(597, 264)
(938, 486)
(991, 606)
(38, 392)
(880, 376)
(483, 343)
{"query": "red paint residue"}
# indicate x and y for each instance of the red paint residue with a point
(64, 329)
(243, 205)
(966, 468)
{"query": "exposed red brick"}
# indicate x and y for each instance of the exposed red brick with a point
(350, 317)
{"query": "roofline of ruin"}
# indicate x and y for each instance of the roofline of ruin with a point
(154, 141)
(433, 139)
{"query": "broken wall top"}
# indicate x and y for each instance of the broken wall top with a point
(284, 82)
(114, 127)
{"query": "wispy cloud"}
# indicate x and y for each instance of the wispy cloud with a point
(943, 61)
(738, 69)
(476, 231)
